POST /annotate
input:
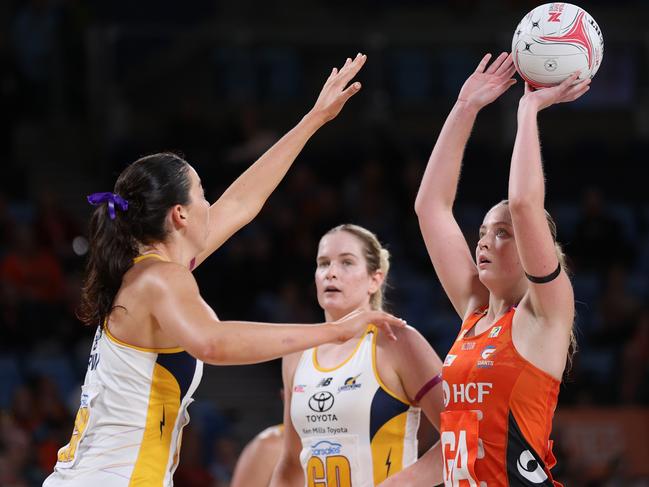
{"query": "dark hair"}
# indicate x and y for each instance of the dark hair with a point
(376, 256)
(151, 185)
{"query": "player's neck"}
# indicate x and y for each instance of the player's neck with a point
(169, 251)
(499, 305)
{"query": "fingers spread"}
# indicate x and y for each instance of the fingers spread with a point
(570, 80)
(351, 69)
(483, 63)
(388, 330)
(506, 70)
(500, 60)
(505, 85)
(579, 89)
(351, 90)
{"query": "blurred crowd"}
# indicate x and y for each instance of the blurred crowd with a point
(365, 171)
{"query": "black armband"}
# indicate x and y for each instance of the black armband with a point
(549, 278)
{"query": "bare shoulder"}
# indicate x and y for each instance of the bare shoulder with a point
(271, 435)
(162, 277)
(406, 335)
(258, 458)
(267, 441)
(409, 341)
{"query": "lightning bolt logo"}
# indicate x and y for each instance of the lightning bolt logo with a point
(162, 422)
(388, 463)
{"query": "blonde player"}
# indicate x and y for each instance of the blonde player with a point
(502, 375)
(155, 330)
(351, 410)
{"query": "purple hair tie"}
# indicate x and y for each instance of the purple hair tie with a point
(97, 199)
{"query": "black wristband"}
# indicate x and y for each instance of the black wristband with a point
(549, 278)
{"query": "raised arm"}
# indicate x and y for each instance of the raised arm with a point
(244, 199)
(551, 301)
(444, 240)
(289, 472)
(183, 316)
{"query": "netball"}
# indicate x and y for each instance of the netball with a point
(555, 40)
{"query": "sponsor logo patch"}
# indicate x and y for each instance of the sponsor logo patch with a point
(326, 448)
(495, 331)
(450, 358)
(321, 402)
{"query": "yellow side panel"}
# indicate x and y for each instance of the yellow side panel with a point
(387, 448)
(164, 402)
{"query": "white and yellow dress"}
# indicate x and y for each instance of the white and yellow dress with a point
(354, 430)
(133, 408)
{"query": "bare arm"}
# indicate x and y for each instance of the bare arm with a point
(257, 461)
(416, 364)
(289, 472)
(444, 240)
(244, 199)
(425, 472)
(552, 301)
(182, 315)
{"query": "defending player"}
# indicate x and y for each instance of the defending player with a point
(351, 410)
(155, 331)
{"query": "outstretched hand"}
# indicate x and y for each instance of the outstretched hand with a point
(568, 90)
(486, 84)
(335, 92)
(356, 321)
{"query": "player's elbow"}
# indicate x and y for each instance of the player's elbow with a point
(426, 210)
(424, 207)
(419, 205)
(211, 351)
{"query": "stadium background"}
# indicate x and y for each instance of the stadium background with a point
(88, 86)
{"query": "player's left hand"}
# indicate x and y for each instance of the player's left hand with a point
(568, 90)
(335, 92)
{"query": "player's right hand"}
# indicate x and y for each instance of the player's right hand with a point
(486, 84)
(569, 90)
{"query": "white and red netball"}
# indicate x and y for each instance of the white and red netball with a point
(555, 40)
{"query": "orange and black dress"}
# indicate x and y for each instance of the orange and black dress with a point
(495, 429)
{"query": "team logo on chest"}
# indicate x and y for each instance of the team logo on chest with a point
(484, 362)
(350, 384)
